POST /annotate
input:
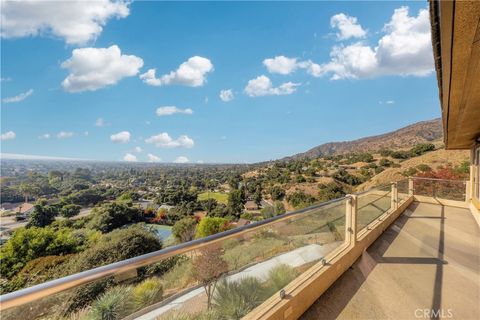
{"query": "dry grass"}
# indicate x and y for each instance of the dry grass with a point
(433, 159)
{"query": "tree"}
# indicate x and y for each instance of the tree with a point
(184, 229)
(70, 210)
(211, 225)
(28, 189)
(330, 191)
(43, 215)
(277, 193)
(236, 199)
(299, 199)
(114, 215)
(208, 267)
(278, 207)
(30, 243)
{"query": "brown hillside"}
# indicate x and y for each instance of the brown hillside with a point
(433, 159)
(407, 137)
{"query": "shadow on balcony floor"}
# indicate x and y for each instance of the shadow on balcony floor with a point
(425, 266)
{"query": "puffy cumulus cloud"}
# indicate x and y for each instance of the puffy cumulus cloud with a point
(130, 157)
(10, 135)
(138, 149)
(153, 158)
(348, 27)
(76, 22)
(404, 49)
(20, 97)
(169, 110)
(94, 68)
(163, 140)
(121, 137)
(281, 65)
(262, 86)
(44, 136)
(64, 134)
(181, 159)
(192, 73)
(226, 95)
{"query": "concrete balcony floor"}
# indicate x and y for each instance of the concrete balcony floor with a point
(428, 259)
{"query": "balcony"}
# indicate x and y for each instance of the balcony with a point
(427, 261)
(280, 267)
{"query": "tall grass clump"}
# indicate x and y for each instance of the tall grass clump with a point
(279, 277)
(235, 299)
(115, 303)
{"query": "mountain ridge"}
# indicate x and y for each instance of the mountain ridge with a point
(420, 132)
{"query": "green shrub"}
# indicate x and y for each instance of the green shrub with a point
(280, 276)
(114, 304)
(30, 243)
(115, 246)
(385, 162)
(330, 191)
(184, 229)
(235, 299)
(70, 210)
(211, 225)
(147, 293)
(111, 216)
(37, 271)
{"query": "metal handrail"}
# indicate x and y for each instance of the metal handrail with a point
(42, 290)
(437, 179)
(46, 289)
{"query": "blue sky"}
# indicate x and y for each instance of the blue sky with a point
(296, 75)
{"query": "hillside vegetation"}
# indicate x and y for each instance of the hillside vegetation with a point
(421, 132)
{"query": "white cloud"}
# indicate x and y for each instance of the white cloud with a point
(226, 95)
(405, 49)
(181, 159)
(348, 27)
(10, 135)
(5, 79)
(19, 97)
(163, 140)
(138, 149)
(76, 22)
(121, 137)
(44, 136)
(99, 122)
(153, 158)
(262, 86)
(129, 157)
(169, 110)
(94, 68)
(192, 73)
(64, 134)
(281, 65)
(387, 102)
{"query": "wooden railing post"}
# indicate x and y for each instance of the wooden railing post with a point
(394, 196)
(351, 215)
(410, 186)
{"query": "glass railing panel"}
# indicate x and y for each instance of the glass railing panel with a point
(372, 204)
(402, 189)
(442, 189)
(224, 278)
